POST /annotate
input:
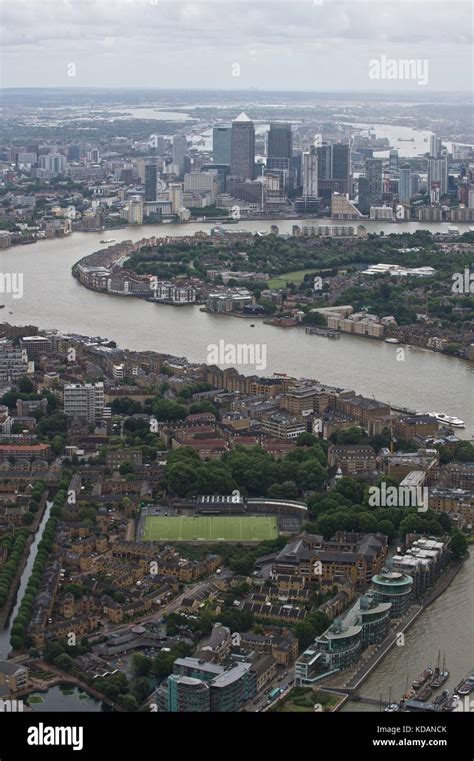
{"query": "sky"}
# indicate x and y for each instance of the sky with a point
(318, 45)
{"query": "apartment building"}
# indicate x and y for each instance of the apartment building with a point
(84, 400)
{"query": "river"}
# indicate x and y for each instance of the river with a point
(5, 634)
(54, 299)
(446, 625)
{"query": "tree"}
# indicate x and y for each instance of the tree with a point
(459, 544)
(64, 662)
(141, 665)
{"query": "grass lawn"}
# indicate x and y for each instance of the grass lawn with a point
(279, 281)
(303, 700)
(216, 528)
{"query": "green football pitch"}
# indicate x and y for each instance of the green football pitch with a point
(215, 528)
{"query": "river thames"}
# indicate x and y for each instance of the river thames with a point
(421, 380)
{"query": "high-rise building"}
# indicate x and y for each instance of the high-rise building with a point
(222, 143)
(438, 175)
(243, 148)
(175, 190)
(310, 173)
(13, 362)
(179, 153)
(404, 185)
(280, 141)
(374, 173)
(84, 400)
(151, 176)
(135, 211)
(341, 166)
(435, 147)
(53, 162)
(324, 161)
(363, 203)
(393, 161)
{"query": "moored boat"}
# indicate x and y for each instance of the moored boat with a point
(420, 681)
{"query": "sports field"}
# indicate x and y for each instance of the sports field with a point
(215, 528)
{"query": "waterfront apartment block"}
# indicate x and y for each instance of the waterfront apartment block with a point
(393, 587)
(340, 646)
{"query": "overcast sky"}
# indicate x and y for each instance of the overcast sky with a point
(278, 44)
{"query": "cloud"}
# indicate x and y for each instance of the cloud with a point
(279, 43)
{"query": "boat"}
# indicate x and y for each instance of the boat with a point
(451, 703)
(448, 420)
(2, 306)
(424, 692)
(392, 708)
(420, 681)
(108, 240)
(440, 699)
(392, 341)
(252, 324)
(467, 686)
(440, 675)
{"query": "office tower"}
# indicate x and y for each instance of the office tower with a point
(324, 161)
(435, 147)
(404, 185)
(310, 173)
(341, 166)
(393, 161)
(243, 148)
(414, 184)
(374, 173)
(151, 176)
(363, 195)
(221, 171)
(135, 211)
(470, 198)
(84, 400)
(179, 152)
(221, 143)
(280, 141)
(296, 169)
(93, 156)
(438, 175)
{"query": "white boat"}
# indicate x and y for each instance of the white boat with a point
(455, 422)
(392, 341)
(108, 240)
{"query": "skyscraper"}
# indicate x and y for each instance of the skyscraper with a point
(341, 166)
(221, 143)
(435, 146)
(404, 185)
(310, 173)
(374, 172)
(179, 152)
(243, 147)
(150, 182)
(393, 161)
(324, 161)
(86, 400)
(280, 141)
(438, 175)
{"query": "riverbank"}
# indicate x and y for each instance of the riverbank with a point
(349, 683)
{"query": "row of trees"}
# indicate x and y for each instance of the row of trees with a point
(251, 470)
(18, 635)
